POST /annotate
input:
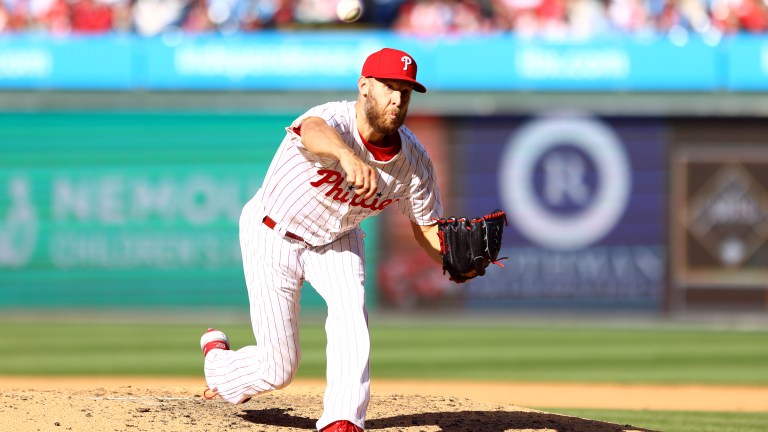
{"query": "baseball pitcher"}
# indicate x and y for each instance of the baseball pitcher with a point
(338, 164)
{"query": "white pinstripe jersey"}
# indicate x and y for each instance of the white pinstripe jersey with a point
(310, 197)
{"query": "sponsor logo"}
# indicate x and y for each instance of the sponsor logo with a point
(18, 224)
(241, 62)
(729, 215)
(24, 63)
(565, 181)
(575, 64)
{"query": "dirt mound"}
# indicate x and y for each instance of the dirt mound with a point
(153, 409)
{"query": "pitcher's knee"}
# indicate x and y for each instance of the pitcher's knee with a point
(284, 373)
(284, 377)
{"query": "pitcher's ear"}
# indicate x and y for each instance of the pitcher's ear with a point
(362, 85)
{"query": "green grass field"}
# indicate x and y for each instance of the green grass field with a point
(677, 421)
(436, 350)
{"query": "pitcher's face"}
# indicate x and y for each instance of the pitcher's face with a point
(387, 104)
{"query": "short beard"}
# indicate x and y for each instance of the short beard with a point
(375, 118)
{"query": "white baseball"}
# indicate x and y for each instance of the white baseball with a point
(349, 10)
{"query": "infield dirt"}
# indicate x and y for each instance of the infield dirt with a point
(176, 404)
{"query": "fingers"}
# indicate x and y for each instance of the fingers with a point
(364, 182)
(361, 176)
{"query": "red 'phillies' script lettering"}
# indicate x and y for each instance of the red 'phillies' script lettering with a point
(342, 195)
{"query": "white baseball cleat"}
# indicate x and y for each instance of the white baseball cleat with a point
(213, 339)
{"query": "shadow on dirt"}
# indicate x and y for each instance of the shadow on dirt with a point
(461, 421)
(277, 417)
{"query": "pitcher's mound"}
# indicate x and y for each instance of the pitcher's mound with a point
(165, 409)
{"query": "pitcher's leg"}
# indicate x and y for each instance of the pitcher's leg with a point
(338, 273)
(273, 276)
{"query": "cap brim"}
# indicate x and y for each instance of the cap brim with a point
(417, 86)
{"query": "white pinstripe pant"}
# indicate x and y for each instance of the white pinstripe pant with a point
(275, 268)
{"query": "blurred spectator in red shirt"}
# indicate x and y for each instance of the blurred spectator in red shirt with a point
(285, 15)
(91, 16)
(6, 18)
(18, 18)
(52, 16)
(724, 16)
(552, 17)
(753, 16)
(530, 18)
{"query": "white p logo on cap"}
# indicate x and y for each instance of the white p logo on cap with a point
(406, 61)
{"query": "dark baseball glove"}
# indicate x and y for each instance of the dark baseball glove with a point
(469, 246)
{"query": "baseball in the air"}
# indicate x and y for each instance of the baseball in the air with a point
(349, 10)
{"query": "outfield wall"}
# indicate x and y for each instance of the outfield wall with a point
(624, 213)
(121, 180)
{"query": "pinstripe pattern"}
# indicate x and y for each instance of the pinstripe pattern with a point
(308, 196)
(337, 272)
(273, 275)
(320, 214)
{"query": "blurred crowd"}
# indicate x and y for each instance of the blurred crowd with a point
(549, 18)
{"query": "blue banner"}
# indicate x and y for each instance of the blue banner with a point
(748, 64)
(332, 61)
(508, 63)
(87, 63)
(270, 61)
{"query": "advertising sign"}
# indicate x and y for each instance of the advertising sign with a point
(37, 61)
(130, 210)
(585, 199)
(720, 236)
(270, 60)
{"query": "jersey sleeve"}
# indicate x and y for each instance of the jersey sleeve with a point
(424, 205)
(335, 115)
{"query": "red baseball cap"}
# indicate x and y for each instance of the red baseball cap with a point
(390, 63)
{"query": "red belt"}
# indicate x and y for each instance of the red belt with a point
(271, 225)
